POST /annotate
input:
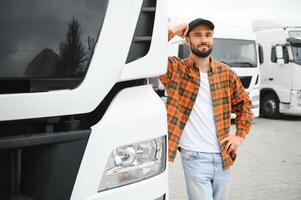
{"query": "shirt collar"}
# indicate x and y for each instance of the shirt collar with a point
(212, 67)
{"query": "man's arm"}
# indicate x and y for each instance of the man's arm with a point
(181, 31)
(241, 106)
(165, 78)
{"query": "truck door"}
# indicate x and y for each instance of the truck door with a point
(279, 73)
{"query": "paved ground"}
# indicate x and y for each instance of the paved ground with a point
(268, 166)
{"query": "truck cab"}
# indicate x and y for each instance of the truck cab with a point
(78, 118)
(280, 83)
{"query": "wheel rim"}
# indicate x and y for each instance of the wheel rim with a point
(270, 107)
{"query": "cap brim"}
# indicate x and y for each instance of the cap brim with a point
(197, 22)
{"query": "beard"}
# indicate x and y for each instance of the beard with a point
(201, 54)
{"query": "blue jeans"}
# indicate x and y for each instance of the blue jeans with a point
(205, 177)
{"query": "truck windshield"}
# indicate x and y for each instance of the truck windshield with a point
(48, 39)
(235, 52)
(296, 47)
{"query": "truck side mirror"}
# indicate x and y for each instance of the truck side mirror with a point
(183, 51)
(279, 54)
(260, 54)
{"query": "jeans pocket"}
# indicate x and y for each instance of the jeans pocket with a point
(188, 155)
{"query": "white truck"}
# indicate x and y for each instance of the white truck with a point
(77, 117)
(280, 91)
(235, 46)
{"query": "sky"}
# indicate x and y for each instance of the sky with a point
(286, 12)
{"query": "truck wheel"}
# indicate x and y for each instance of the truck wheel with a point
(270, 106)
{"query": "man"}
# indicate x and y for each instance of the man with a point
(202, 93)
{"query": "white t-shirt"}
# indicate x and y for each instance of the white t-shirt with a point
(199, 133)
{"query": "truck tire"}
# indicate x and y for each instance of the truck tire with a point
(270, 106)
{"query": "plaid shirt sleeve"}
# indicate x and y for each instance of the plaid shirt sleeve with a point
(241, 106)
(172, 62)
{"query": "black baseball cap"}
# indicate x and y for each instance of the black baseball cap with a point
(199, 21)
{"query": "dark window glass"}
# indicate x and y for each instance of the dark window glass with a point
(296, 48)
(273, 55)
(144, 30)
(285, 54)
(183, 51)
(47, 42)
(297, 54)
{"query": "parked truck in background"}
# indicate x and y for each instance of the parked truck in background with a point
(77, 117)
(237, 47)
(280, 91)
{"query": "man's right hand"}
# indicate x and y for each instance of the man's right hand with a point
(180, 30)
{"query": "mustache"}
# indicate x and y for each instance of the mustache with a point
(203, 44)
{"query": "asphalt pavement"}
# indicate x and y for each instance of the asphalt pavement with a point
(268, 166)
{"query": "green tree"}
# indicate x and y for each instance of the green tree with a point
(72, 51)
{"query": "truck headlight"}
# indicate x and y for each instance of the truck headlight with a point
(135, 162)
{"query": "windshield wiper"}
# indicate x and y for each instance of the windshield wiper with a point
(241, 64)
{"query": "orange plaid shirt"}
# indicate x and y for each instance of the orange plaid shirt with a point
(182, 82)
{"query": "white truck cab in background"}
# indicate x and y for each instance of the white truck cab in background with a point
(236, 46)
(280, 71)
(78, 118)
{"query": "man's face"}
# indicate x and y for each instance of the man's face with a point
(200, 40)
